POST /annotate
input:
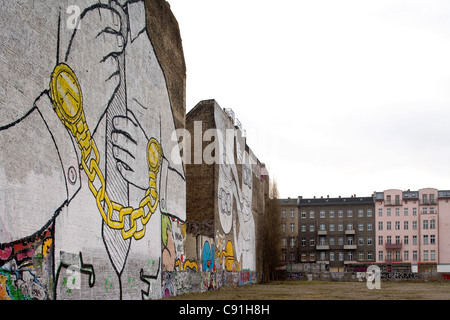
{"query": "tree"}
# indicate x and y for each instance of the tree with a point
(270, 234)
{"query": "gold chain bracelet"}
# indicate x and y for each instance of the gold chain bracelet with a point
(68, 104)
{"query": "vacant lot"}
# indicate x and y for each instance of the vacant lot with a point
(322, 290)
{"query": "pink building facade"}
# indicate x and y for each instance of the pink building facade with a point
(413, 227)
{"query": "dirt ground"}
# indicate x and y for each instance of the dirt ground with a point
(323, 290)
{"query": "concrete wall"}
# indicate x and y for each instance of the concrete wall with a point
(92, 196)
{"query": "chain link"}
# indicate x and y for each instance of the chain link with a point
(67, 102)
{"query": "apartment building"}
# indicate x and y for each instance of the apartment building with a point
(336, 231)
(289, 231)
(413, 227)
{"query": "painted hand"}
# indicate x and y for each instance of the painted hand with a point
(92, 54)
(130, 150)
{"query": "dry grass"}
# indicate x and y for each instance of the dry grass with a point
(323, 290)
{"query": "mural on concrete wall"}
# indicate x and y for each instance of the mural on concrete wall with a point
(234, 199)
(91, 206)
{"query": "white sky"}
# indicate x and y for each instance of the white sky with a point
(337, 97)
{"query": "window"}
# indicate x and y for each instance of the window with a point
(360, 241)
(369, 255)
(349, 240)
(292, 256)
(283, 242)
(406, 239)
(303, 227)
(414, 225)
(292, 213)
(388, 212)
(322, 227)
(311, 214)
(369, 240)
(283, 227)
(380, 240)
(322, 213)
(283, 213)
(331, 241)
(323, 241)
(397, 240)
(397, 225)
(303, 256)
(361, 255)
(380, 255)
(388, 200)
(331, 226)
(292, 242)
(350, 256)
(388, 225)
(406, 255)
(397, 254)
(406, 225)
(389, 239)
(432, 224)
(424, 198)
(425, 211)
(322, 256)
(283, 256)
(433, 255)
(360, 213)
(340, 240)
(340, 227)
(340, 213)
(414, 211)
(331, 213)
(425, 224)
(405, 212)
(331, 256)
(397, 212)
(380, 212)
(414, 254)
(361, 226)
(432, 198)
(425, 239)
(432, 239)
(397, 200)
(311, 242)
(303, 242)
(425, 255)
(414, 239)
(303, 214)
(389, 255)
(432, 210)
(369, 212)
(311, 228)
(349, 213)
(292, 227)
(312, 257)
(369, 226)
(349, 226)
(341, 256)
(380, 225)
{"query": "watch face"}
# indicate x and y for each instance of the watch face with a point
(66, 93)
(154, 154)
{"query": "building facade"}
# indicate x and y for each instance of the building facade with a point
(413, 227)
(336, 231)
(289, 231)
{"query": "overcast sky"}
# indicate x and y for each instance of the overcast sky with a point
(337, 97)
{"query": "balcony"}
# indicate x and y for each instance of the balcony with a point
(352, 231)
(322, 232)
(392, 203)
(389, 261)
(350, 246)
(391, 246)
(322, 247)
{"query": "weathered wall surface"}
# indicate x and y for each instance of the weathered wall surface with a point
(92, 187)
